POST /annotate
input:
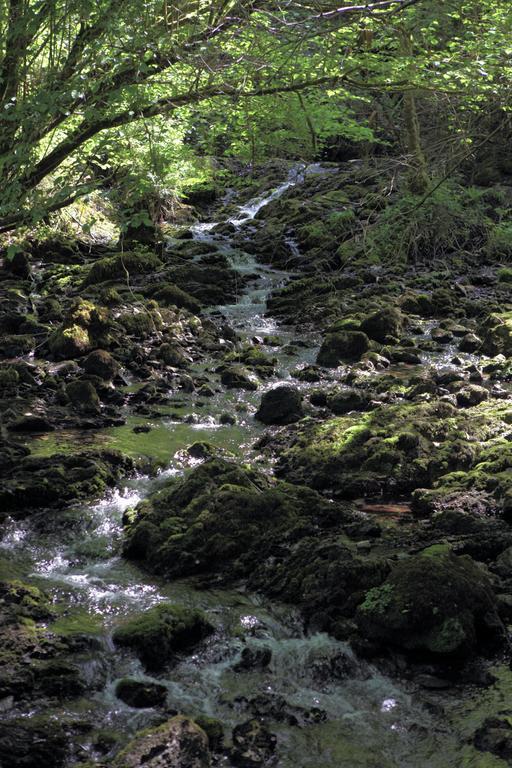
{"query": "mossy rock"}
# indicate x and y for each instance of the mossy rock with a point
(342, 346)
(222, 520)
(70, 342)
(161, 632)
(59, 479)
(141, 694)
(436, 603)
(281, 405)
(497, 334)
(179, 743)
(367, 453)
(82, 394)
(101, 363)
(14, 345)
(36, 742)
(388, 321)
(122, 266)
(169, 295)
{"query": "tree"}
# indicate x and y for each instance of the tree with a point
(71, 70)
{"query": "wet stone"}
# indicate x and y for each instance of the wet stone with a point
(281, 405)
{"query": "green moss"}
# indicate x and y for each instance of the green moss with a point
(121, 266)
(378, 599)
(161, 632)
(505, 273)
(438, 603)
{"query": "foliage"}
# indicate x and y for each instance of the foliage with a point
(452, 219)
(241, 77)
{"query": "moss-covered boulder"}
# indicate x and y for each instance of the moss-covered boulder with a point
(221, 519)
(161, 632)
(342, 346)
(69, 342)
(122, 266)
(388, 321)
(497, 334)
(85, 326)
(44, 481)
(179, 743)
(398, 448)
(434, 602)
(141, 693)
(281, 405)
(169, 295)
(238, 377)
(101, 363)
(83, 396)
(35, 742)
(172, 355)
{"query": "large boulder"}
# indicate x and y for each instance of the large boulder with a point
(221, 519)
(35, 742)
(161, 632)
(121, 266)
(388, 321)
(281, 405)
(497, 334)
(342, 346)
(141, 693)
(169, 295)
(434, 602)
(83, 396)
(178, 743)
(101, 363)
(238, 377)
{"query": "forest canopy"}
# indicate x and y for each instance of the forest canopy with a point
(86, 88)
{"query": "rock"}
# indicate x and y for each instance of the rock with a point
(254, 658)
(253, 745)
(171, 355)
(31, 423)
(37, 742)
(140, 694)
(170, 295)
(159, 633)
(84, 326)
(121, 266)
(497, 334)
(83, 396)
(16, 345)
(178, 743)
(441, 335)
(346, 400)
(417, 304)
(434, 602)
(101, 363)
(281, 405)
(342, 346)
(470, 343)
(495, 736)
(238, 377)
(388, 321)
(213, 729)
(471, 395)
(58, 479)
(19, 265)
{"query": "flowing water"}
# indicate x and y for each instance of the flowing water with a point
(339, 712)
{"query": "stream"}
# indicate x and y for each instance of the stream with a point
(349, 713)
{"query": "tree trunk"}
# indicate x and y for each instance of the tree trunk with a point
(418, 178)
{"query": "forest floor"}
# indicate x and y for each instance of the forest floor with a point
(257, 485)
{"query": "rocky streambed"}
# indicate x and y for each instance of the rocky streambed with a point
(256, 497)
